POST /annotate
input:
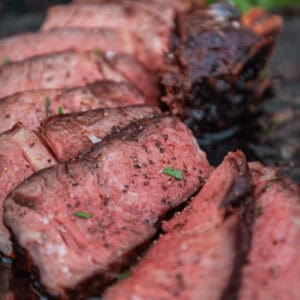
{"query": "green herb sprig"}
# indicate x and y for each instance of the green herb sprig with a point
(82, 214)
(173, 173)
(47, 107)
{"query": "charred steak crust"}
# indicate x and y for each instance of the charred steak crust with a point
(213, 74)
(196, 257)
(73, 134)
(121, 184)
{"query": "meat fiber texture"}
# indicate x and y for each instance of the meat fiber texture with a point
(71, 135)
(151, 32)
(273, 265)
(195, 259)
(213, 77)
(23, 46)
(32, 107)
(21, 154)
(70, 69)
(123, 187)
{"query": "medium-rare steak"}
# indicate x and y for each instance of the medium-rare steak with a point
(23, 46)
(196, 257)
(213, 76)
(85, 217)
(273, 265)
(150, 32)
(66, 136)
(69, 69)
(21, 154)
(159, 6)
(32, 107)
(70, 135)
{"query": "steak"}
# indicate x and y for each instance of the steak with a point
(70, 69)
(196, 257)
(273, 263)
(180, 6)
(70, 135)
(150, 32)
(21, 154)
(213, 76)
(23, 46)
(119, 190)
(31, 107)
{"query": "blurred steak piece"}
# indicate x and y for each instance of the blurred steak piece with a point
(158, 6)
(261, 22)
(20, 47)
(273, 263)
(69, 69)
(215, 61)
(196, 257)
(21, 154)
(150, 32)
(70, 135)
(29, 107)
(121, 190)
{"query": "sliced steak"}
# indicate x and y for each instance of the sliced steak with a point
(273, 265)
(21, 154)
(120, 192)
(214, 74)
(70, 135)
(32, 107)
(158, 6)
(20, 47)
(196, 257)
(150, 32)
(69, 69)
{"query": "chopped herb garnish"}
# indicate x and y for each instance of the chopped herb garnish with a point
(269, 184)
(96, 51)
(6, 61)
(60, 110)
(82, 214)
(259, 211)
(123, 275)
(173, 172)
(47, 106)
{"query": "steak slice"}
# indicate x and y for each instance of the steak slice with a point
(121, 190)
(158, 6)
(69, 69)
(66, 136)
(23, 46)
(21, 154)
(150, 32)
(273, 265)
(216, 61)
(196, 257)
(71, 135)
(30, 107)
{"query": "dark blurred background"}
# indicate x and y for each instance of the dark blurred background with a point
(23, 15)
